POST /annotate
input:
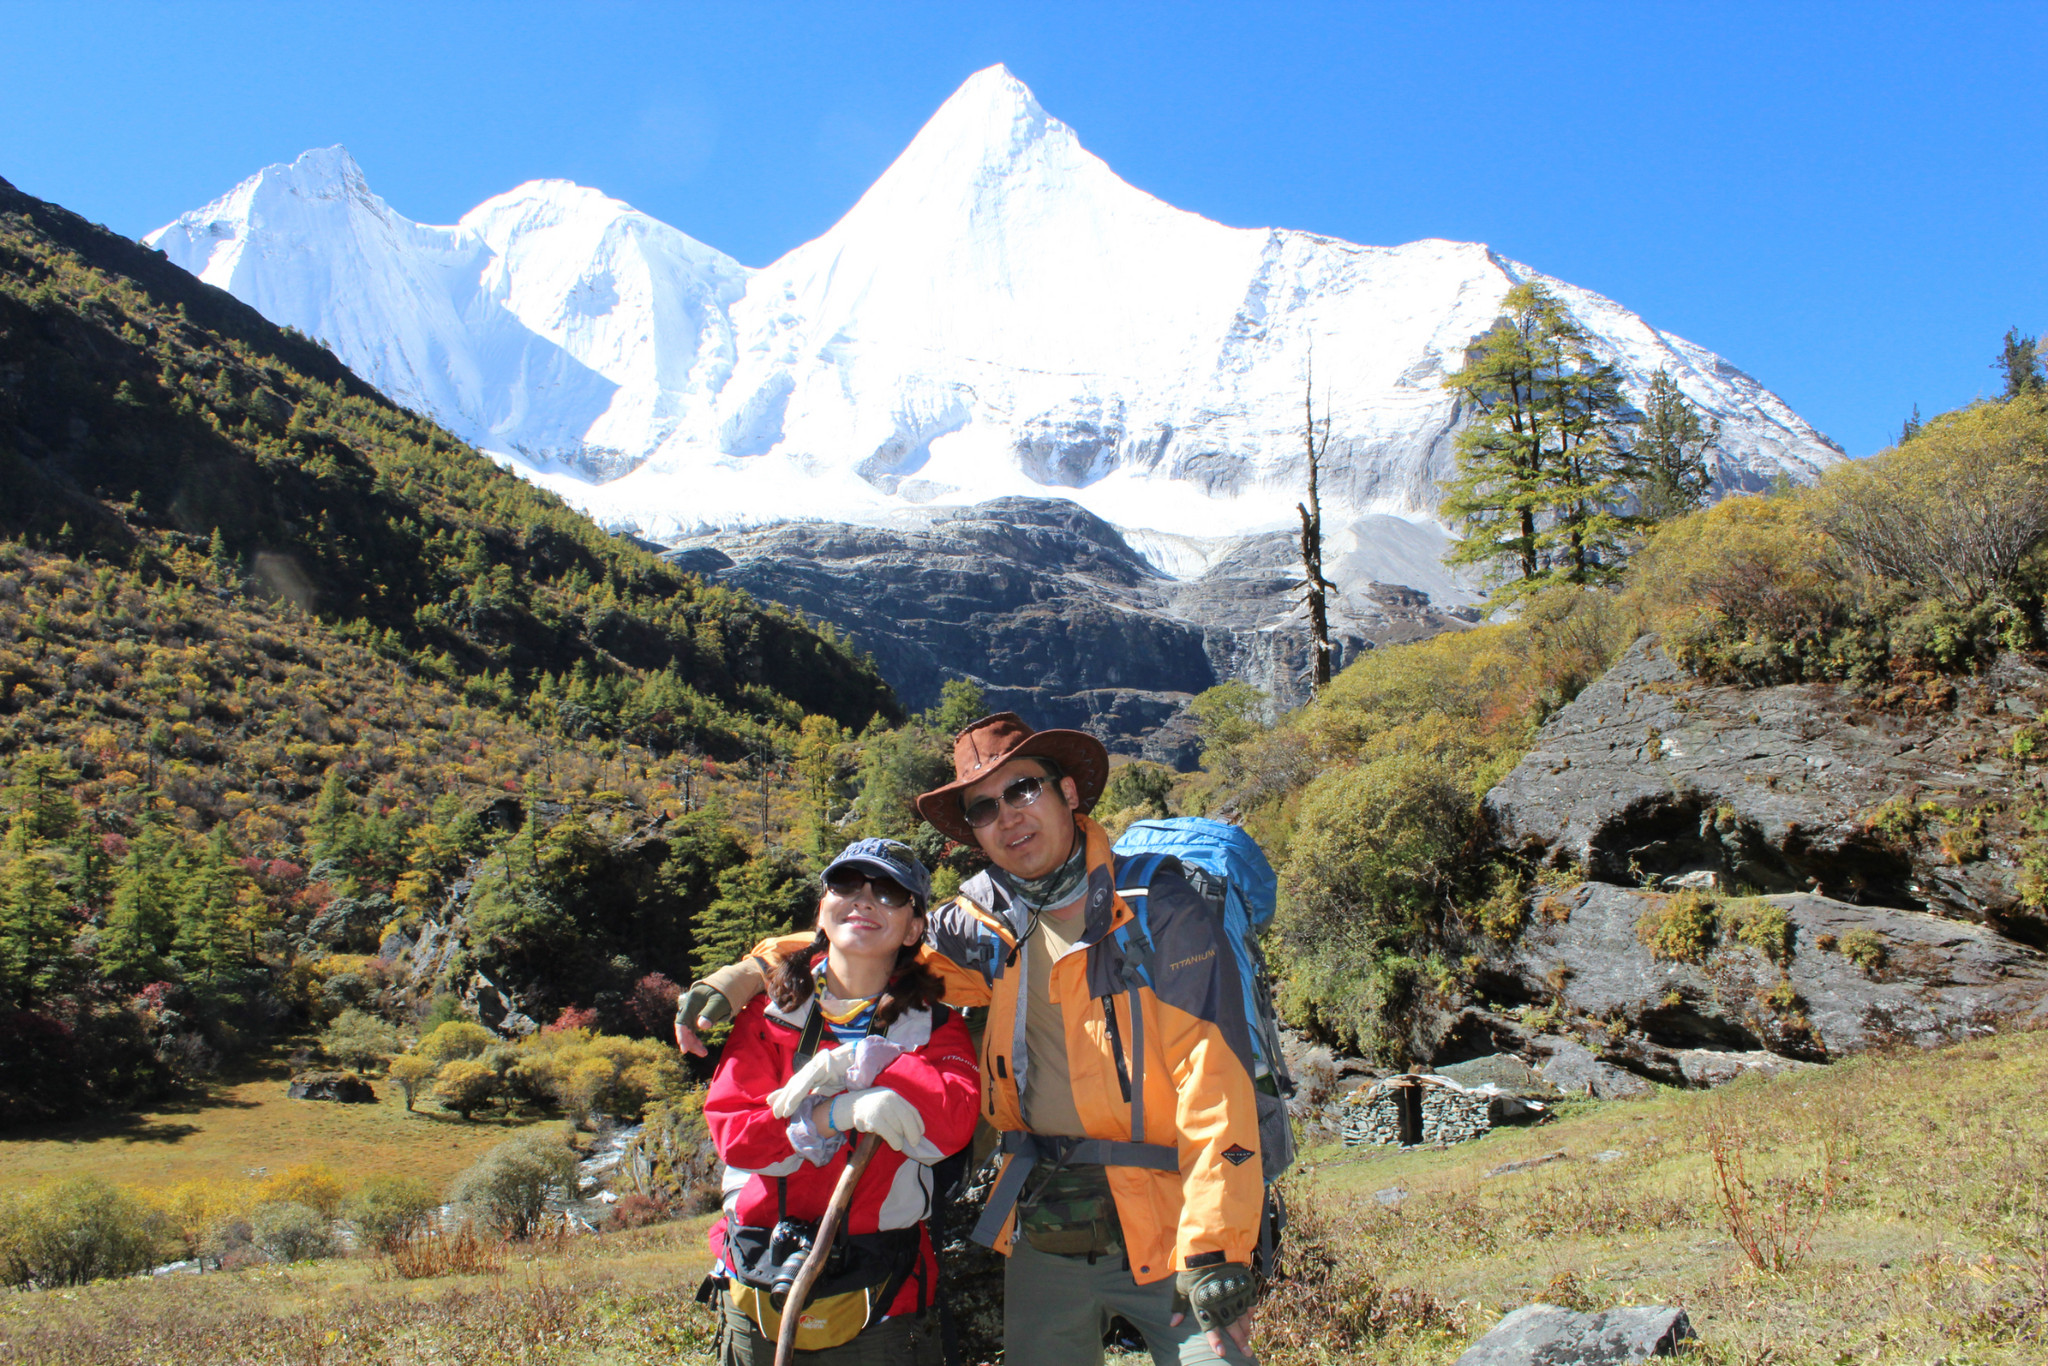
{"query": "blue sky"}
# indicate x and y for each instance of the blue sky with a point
(1846, 200)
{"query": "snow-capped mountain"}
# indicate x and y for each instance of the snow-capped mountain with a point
(998, 315)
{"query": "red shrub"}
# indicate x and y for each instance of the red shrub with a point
(654, 1003)
(573, 1018)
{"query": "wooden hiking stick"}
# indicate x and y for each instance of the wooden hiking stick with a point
(814, 1260)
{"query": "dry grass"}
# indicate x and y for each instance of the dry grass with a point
(1933, 1246)
(245, 1126)
(1933, 1242)
(622, 1299)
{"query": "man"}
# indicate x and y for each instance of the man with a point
(1119, 1081)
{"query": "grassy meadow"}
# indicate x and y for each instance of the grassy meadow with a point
(1899, 1199)
(244, 1127)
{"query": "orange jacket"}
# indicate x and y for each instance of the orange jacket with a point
(1197, 1089)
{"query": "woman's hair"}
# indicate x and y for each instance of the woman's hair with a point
(912, 985)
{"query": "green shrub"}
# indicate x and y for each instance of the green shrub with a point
(508, 1188)
(1783, 997)
(78, 1231)
(1863, 948)
(1956, 511)
(466, 1085)
(359, 1040)
(385, 1210)
(455, 1039)
(1502, 915)
(1762, 925)
(1678, 927)
(1372, 864)
(287, 1231)
(412, 1073)
(1139, 783)
(446, 1007)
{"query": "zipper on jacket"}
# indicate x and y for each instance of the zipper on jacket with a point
(1116, 1046)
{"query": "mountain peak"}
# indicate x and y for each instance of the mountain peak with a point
(324, 165)
(993, 119)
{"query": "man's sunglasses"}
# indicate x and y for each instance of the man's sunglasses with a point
(846, 883)
(1019, 794)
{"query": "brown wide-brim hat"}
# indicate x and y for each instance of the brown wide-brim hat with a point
(993, 741)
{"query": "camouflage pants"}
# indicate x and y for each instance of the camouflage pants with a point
(906, 1340)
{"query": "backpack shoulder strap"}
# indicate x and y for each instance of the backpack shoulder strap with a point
(807, 1044)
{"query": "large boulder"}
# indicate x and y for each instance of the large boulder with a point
(345, 1087)
(1546, 1335)
(1652, 775)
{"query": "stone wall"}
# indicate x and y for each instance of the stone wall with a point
(1453, 1116)
(1372, 1115)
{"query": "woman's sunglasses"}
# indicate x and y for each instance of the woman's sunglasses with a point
(846, 883)
(1020, 794)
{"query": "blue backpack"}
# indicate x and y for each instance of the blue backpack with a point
(1230, 871)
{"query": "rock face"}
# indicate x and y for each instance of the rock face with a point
(1734, 1009)
(1889, 836)
(1649, 774)
(1546, 1335)
(1049, 609)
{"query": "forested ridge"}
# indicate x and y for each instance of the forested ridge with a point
(273, 649)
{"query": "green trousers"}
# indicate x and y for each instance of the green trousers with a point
(1056, 1309)
(907, 1340)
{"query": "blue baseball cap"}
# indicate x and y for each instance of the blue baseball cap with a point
(885, 858)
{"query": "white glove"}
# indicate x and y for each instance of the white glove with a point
(838, 1069)
(888, 1116)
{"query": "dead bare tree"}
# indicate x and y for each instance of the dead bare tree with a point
(1317, 442)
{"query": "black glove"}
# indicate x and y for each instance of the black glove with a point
(1219, 1295)
(703, 1001)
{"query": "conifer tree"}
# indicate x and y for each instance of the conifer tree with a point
(39, 796)
(208, 942)
(1540, 469)
(34, 929)
(817, 767)
(2019, 360)
(1671, 452)
(142, 925)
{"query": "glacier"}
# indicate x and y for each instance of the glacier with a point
(998, 315)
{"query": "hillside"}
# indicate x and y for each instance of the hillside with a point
(281, 662)
(1777, 794)
(135, 400)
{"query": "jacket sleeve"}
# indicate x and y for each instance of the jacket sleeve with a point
(943, 1080)
(951, 933)
(1206, 1038)
(746, 1132)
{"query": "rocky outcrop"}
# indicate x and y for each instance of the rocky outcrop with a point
(1907, 977)
(1054, 614)
(1651, 774)
(1887, 836)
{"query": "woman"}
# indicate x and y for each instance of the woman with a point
(849, 1039)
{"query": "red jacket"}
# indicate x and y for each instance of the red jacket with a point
(937, 1073)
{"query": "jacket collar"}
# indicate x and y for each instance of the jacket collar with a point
(1105, 909)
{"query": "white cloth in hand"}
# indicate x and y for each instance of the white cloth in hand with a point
(879, 1111)
(847, 1067)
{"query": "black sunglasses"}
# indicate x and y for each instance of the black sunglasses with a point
(847, 882)
(1020, 794)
